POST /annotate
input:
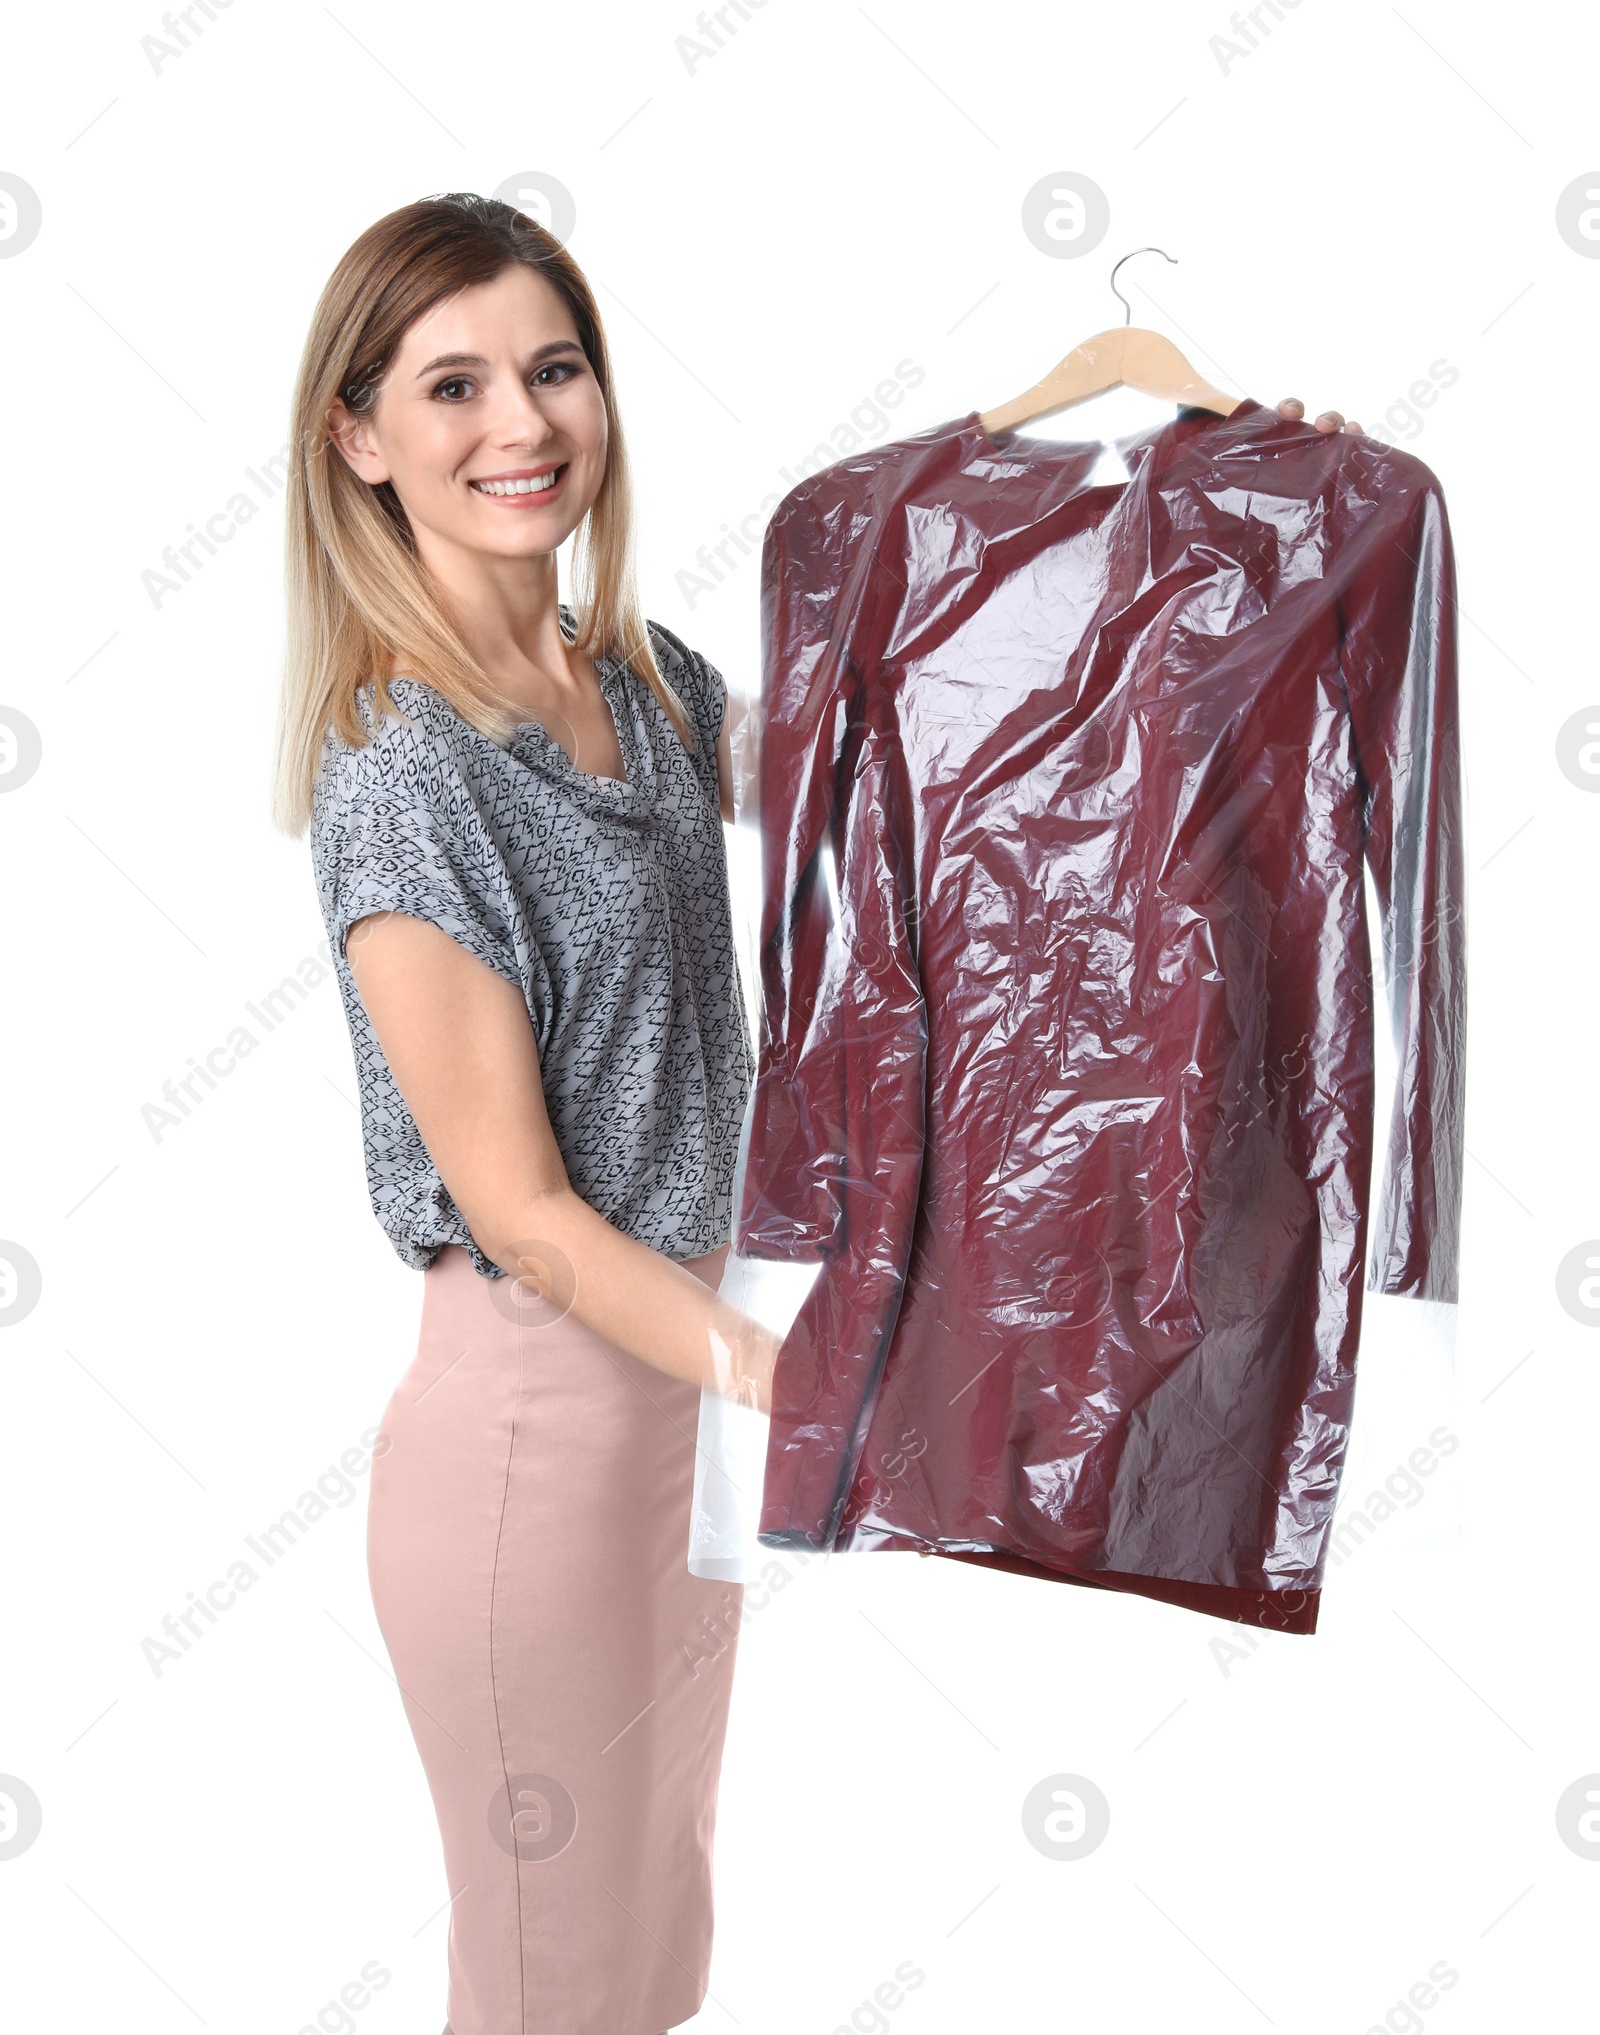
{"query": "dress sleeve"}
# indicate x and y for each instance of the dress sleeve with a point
(407, 837)
(833, 1154)
(1398, 656)
(789, 1203)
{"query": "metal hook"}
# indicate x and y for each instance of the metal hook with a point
(1121, 299)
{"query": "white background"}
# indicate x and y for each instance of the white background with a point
(1300, 1827)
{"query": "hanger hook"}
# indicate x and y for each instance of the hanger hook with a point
(1121, 299)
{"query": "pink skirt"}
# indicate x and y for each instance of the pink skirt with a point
(566, 1679)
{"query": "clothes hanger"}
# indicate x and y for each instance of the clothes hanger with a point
(1126, 356)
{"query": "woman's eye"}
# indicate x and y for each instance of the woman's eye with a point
(454, 387)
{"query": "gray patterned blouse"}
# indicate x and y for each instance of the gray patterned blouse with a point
(605, 901)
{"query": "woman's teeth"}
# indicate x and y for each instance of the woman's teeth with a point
(536, 486)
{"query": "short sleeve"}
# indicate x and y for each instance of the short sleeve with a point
(698, 682)
(714, 696)
(403, 834)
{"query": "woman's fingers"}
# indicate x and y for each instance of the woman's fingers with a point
(1330, 420)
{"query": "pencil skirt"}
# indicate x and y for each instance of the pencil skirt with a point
(565, 1677)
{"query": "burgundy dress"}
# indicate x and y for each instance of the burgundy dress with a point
(1066, 1048)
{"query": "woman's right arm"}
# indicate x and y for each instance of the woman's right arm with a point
(461, 1048)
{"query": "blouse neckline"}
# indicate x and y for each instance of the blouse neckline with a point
(530, 742)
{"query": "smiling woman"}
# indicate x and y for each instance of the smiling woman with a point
(516, 814)
(393, 550)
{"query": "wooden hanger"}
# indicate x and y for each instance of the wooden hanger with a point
(1125, 357)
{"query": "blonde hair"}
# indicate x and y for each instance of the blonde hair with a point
(358, 597)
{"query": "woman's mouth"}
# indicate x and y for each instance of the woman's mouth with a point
(524, 490)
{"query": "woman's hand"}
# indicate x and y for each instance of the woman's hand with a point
(1293, 409)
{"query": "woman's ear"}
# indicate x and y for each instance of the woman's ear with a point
(353, 436)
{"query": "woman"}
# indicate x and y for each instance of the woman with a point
(516, 817)
(525, 887)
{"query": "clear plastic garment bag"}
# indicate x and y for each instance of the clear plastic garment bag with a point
(1063, 1129)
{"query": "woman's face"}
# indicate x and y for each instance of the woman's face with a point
(489, 423)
